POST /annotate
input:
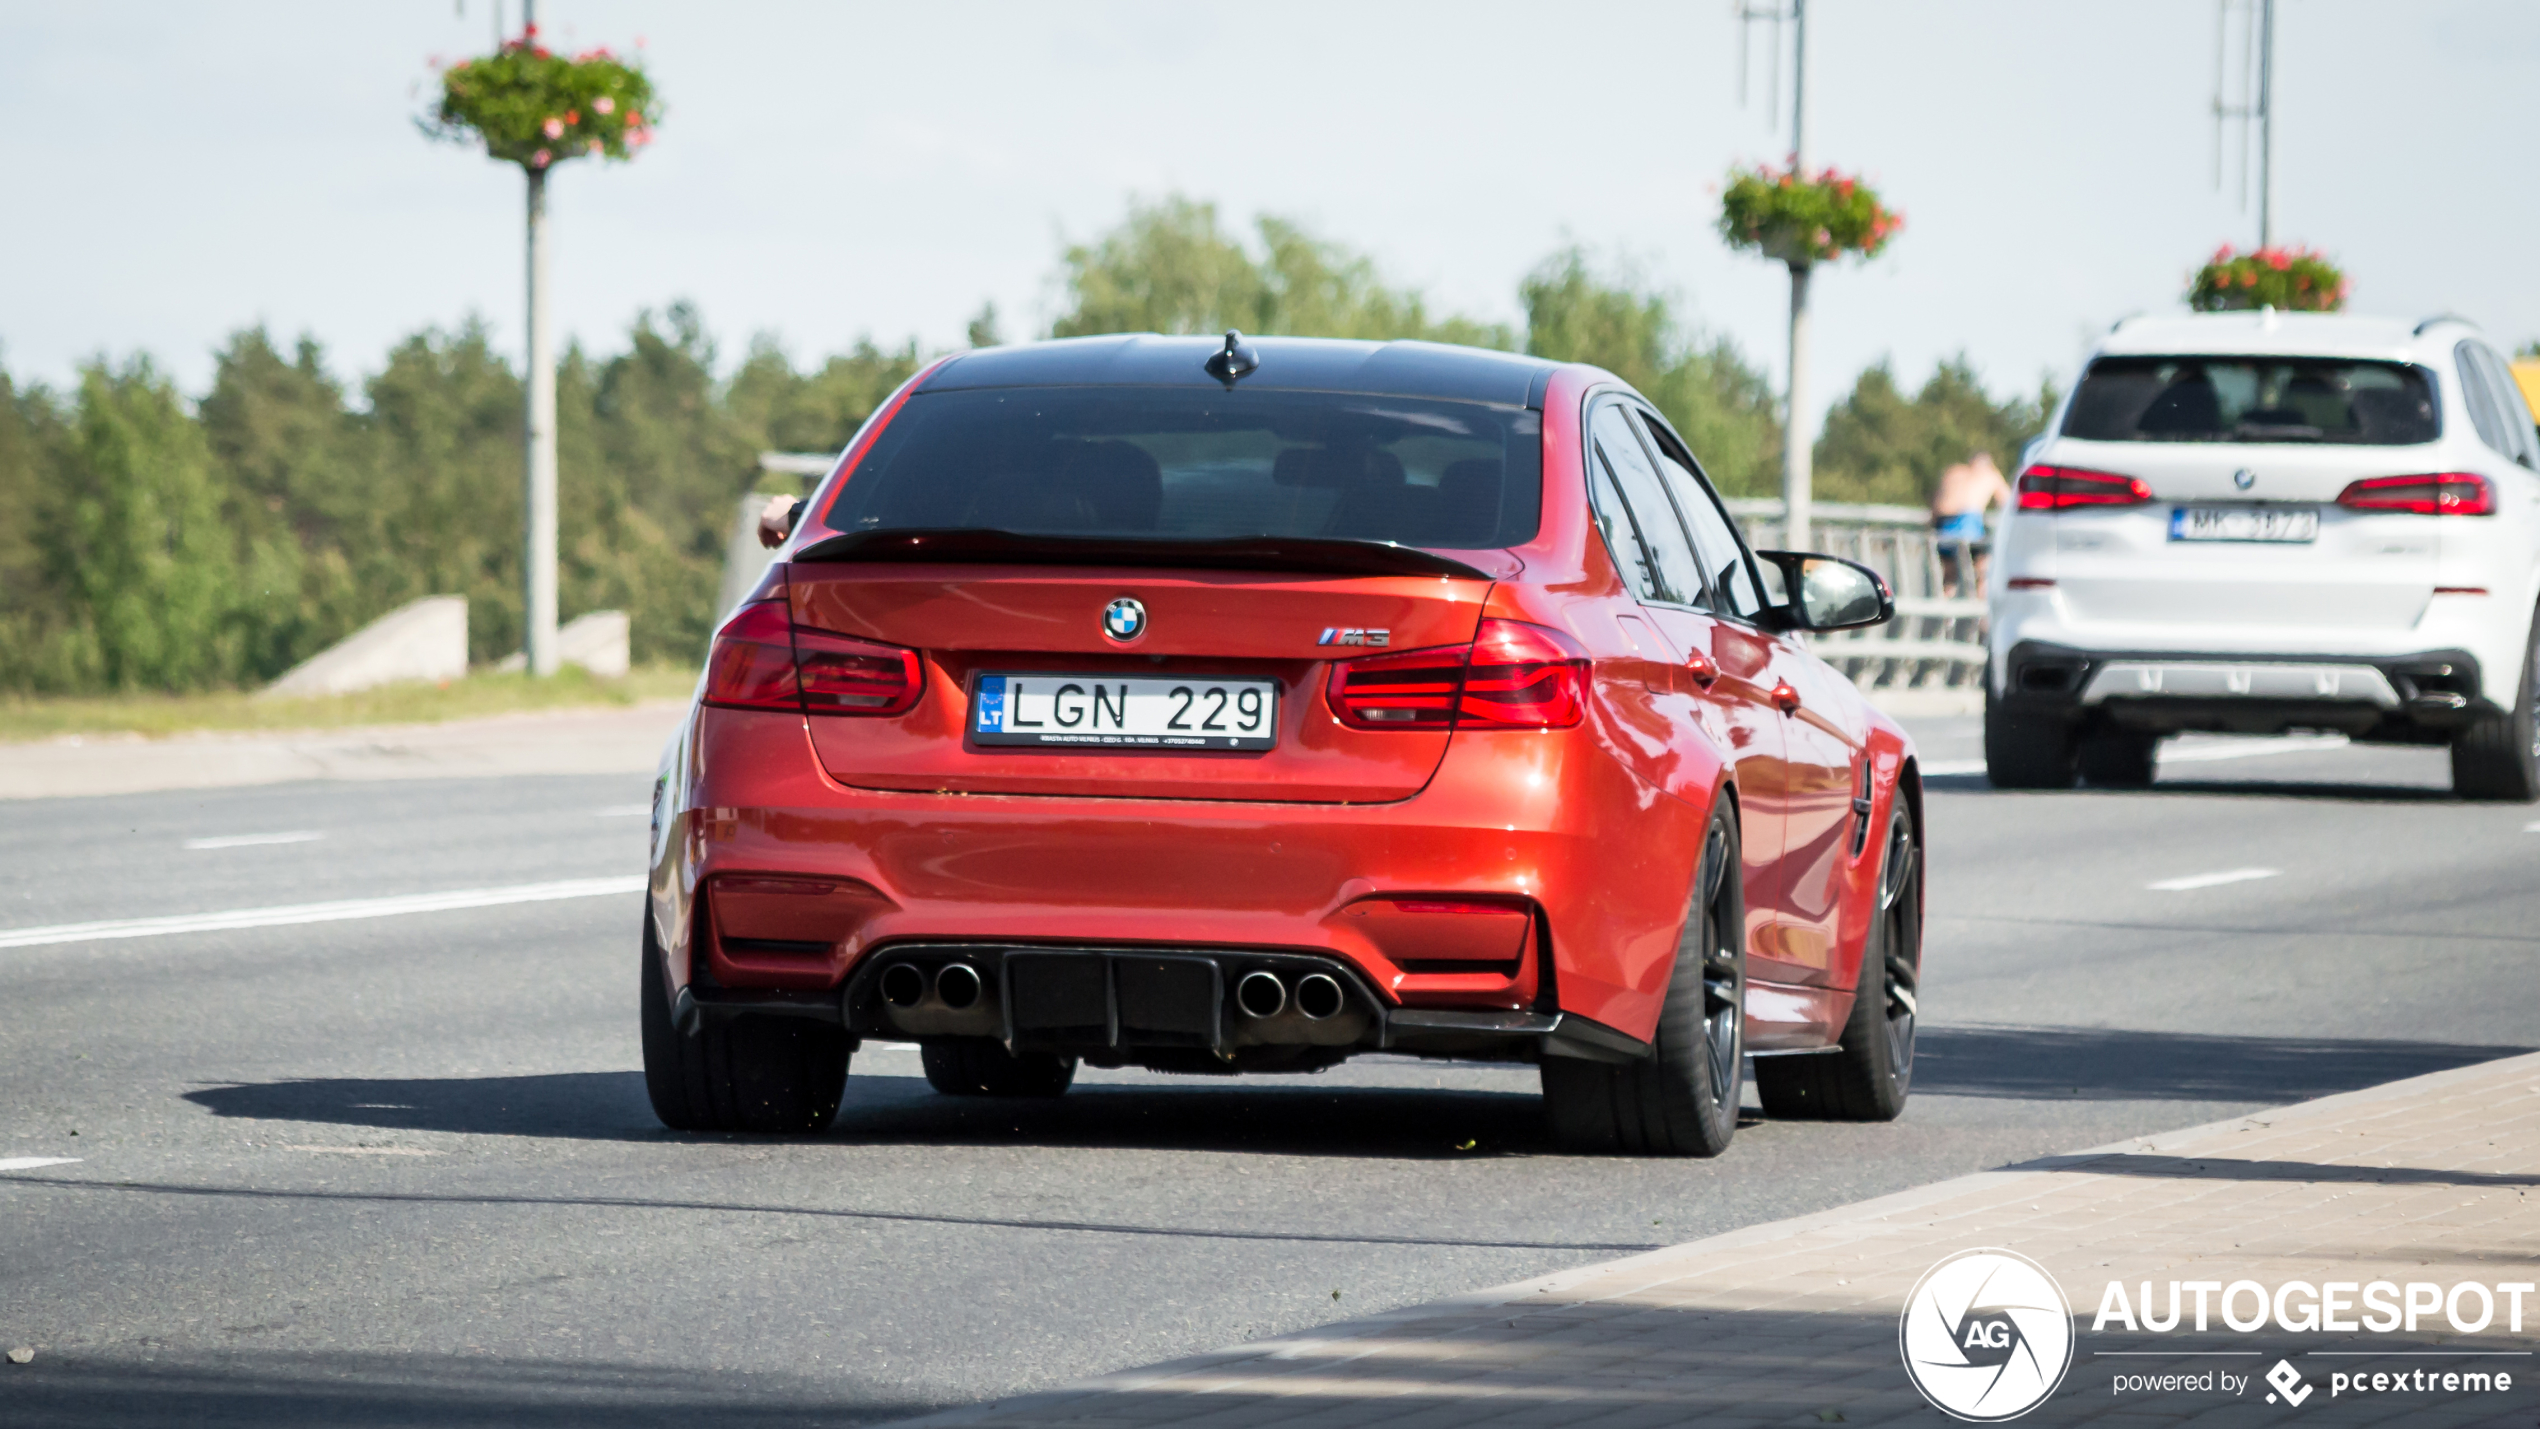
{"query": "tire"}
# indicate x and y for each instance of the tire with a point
(754, 1074)
(1871, 1072)
(2498, 758)
(981, 1067)
(1681, 1100)
(2026, 751)
(2117, 760)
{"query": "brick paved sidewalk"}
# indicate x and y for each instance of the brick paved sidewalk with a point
(2434, 1179)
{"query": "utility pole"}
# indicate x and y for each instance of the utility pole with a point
(539, 566)
(2266, 123)
(2254, 109)
(1796, 474)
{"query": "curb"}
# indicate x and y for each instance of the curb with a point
(1331, 1343)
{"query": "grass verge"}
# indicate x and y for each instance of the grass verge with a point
(157, 716)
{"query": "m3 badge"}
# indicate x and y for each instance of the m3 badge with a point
(1355, 635)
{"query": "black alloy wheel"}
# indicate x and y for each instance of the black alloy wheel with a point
(2498, 758)
(756, 1074)
(2026, 751)
(1870, 1073)
(1681, 1099)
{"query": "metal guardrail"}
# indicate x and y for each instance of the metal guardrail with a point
(1937, 640)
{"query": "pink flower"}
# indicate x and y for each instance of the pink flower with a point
(573, 116)
(2279, 262)
(553, 128)
(603, 105)
(540, 159)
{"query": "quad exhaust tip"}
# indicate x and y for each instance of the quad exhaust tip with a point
(1318, 995)
(1261, 994)
(903, 985)
(957, 984)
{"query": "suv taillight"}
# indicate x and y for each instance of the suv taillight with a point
(763, 661)
(1513, 676)
(2061, 488)
(2448, 493)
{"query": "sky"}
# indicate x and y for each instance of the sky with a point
(830, 171)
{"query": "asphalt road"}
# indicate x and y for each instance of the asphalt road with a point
(400, 1170)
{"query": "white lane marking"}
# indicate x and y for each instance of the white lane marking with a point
(2250, 748)
(296, 836)
(1941, 768)
(621, 811)
(338, 911)
(2532, 828)
(364, 1150)
(35, 1163)
(2211, 880)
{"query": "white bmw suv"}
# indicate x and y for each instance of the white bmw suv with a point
(2256, 522)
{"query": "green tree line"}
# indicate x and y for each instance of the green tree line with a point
(152, 542)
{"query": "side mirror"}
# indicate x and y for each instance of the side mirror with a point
(1824, 593)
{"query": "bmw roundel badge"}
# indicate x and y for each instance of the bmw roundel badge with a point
(1124, 619)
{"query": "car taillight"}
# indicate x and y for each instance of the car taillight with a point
(843, 675)
(763, 661)
(1513, 676)
(2447, 493)
(2061, 488)
(752, 664)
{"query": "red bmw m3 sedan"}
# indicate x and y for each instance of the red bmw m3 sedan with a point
(1239, 707)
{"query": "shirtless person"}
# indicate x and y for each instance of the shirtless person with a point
(1967, 491)
(776, 522)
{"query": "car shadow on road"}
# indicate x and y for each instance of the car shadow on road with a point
(2103, 1064)
(236, 1386)
(880, 1108)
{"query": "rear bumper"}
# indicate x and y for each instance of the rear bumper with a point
(837, 879)
(1173, 1008)
(2420, 696)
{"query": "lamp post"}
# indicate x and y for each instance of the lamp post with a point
(1797, 474)
(538, 564)
(538, 109)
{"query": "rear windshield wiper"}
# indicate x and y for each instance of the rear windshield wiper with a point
(1316, 555)
(2277, 432)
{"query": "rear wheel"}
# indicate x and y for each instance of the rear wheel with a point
(1868, 1076)
(2023, 751)
(1681, 1100)
(759, 1074)
(981, 1067)
(2498, 758)
(2117, 759)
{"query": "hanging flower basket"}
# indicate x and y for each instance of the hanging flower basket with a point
(1803, 219)
(532, 107)
(2289, 279)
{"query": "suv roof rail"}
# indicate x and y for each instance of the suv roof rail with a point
(2419, 330)
(2121, 322)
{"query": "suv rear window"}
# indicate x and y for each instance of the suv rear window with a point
(2253, 399)
(1178, 463)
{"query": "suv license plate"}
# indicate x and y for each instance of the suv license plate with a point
(1125, 711)
(2245, 523)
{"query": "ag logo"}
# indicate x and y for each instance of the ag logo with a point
(1124, 619)
(1986, 1335)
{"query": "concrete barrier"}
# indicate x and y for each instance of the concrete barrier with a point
(597, 642)
(423, 641)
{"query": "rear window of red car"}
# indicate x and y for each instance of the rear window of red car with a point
(1195, 464)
